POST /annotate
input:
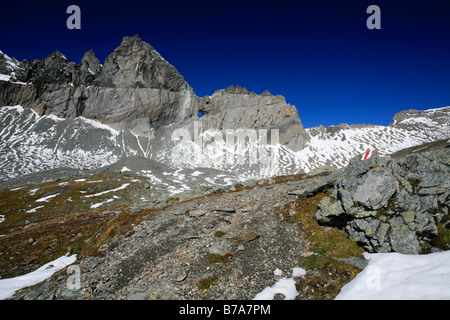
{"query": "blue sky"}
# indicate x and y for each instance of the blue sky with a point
(318, 54)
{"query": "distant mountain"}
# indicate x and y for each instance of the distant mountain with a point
(56, 114)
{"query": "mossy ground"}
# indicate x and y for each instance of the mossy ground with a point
(206, 283)
(325, 276)
(66, 223)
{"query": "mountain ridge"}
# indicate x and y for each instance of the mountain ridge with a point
(136, 103)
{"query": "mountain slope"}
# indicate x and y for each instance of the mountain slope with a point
(56, 114)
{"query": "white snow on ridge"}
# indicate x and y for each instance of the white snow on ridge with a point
(100, 125)
(4, 77)
(419, 120)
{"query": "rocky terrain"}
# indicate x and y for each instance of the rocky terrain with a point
(226, 243)
(396, 205)
(112, 162)
(217, 244)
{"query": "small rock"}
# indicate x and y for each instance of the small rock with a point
(248, 236)
(143, 234)
(228, 210)
(197, 213)
(181, 276)
(180, 211)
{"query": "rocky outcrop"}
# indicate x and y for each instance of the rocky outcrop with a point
(136, 89)
(394, 204)
(429, 120)
(237, 108)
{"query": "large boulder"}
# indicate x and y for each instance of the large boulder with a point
(393, 204)
(375, 189)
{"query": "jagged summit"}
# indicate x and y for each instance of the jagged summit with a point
(136, 64)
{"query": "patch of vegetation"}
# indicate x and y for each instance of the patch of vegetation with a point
(326, 275)
(442, 241)
(206, 283)
(294, 177)
(219, 234)
(66, 223)
(218, 258)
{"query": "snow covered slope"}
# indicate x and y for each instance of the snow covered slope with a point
(30, 143)
(326, 146)
(335, 146)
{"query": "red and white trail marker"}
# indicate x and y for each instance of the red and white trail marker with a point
(367, 155)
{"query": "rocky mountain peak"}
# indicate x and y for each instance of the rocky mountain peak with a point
(434, 122)
(236, 90)
(54, 69)
(88, 70)
(136, 64)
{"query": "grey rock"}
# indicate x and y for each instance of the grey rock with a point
(329, 210)
(354, 261)
(135, 64)
(391, 206)
(403, 240)
(376, 189)
(236, 108)
(180, 211)
(68, 294)
(197, 213)
(311, 190)
(421, 222)
(346, 198)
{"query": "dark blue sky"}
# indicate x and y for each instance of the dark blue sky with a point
(318, 54)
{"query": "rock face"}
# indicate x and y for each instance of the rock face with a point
(135, 64)
(394, 205)
(431, 121)
(136, 89)
(236, 107)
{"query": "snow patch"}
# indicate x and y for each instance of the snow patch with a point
(108, 191)
(9, 286)
(395, 276)
(196, 173)
(100, 125)
(285, 286)
(96, 205)
(45, 199)
(34, 209)
(419, 120)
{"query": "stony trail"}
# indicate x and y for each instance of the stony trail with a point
(219, 246)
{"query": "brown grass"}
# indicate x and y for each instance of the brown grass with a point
(326, 275)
